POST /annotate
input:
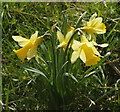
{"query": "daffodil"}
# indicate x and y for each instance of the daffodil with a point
(94, 25)
(64, 40)
(86, 51)
(29, 46)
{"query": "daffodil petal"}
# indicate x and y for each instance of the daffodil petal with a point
(63, 44)
(96, 22)
(82, 55)
(95, 51)
(83, 39)
(84, 23)
(89, 44)
(60, 36)
(68, 36)
(75, 56)
(22, 53)
(33, 51)
(21, 41)
(101, 45)
(93, 17)
(76, 45)
(34, 37)
(98, 31)
(38, 41)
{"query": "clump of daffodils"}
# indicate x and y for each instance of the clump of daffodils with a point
(29, 46)
(85, 49)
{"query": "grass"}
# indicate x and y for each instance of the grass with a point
(96, 91)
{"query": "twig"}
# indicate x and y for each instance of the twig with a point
(115, 68)
(116, 60)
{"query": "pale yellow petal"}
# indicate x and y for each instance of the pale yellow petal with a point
(95, 51)
(34, 37)
(32, 52)
(76, 45)
(75, 56)
(82, 55)
(93, 17)
(84, 23)
(68, 36)
(62, 45)
(96, 22)
(101, 45)
(98, 31)
(89, 44)
(83, 39)
(22, 53)
(60, 36)
(21, 41)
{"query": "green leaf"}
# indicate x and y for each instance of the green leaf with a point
(45, 51)
(79, 20)
(112, 30)
(71, 76)
(64, 25)
(35, 71)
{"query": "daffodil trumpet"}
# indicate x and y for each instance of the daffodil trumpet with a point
(86, 51)
(29, 46)
(94, 25)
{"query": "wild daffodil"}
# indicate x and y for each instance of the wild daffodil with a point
(64, 41)
(29, 46)
(94, 25)
(86, 51)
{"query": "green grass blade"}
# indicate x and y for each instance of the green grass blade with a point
(79, 20)
(112, 30)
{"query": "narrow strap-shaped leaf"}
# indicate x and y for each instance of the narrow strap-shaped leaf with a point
(71, 76)
(32, 70)
(35, 71)
(64, 25)
(112, 30)
(79, 20)
(45, 51)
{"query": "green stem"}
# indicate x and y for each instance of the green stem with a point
(0, 56)
(54, 58)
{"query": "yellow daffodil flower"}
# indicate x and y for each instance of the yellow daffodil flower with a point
(86, 51)
(94, 25)
(64, 41)
(29, 46)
